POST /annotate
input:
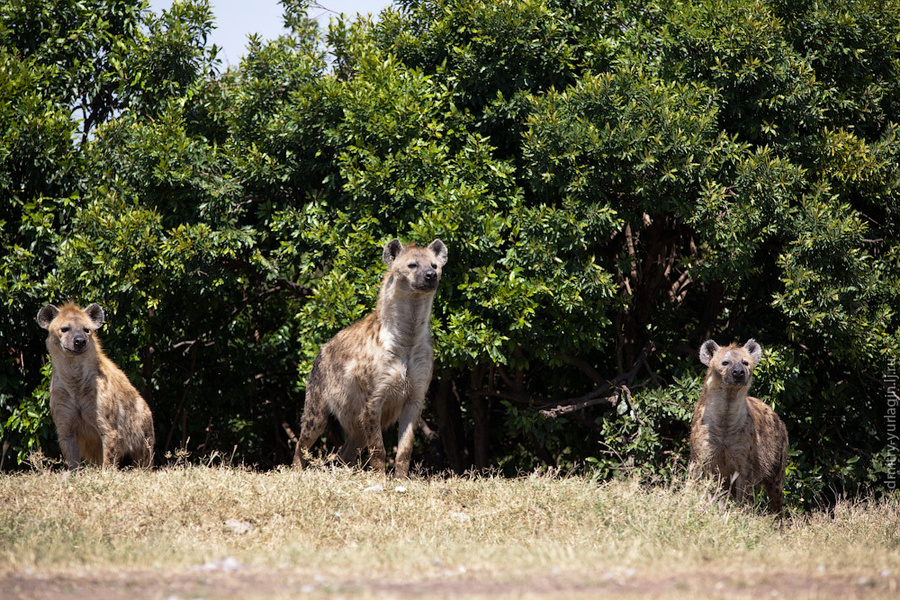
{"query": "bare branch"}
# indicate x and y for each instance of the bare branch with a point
(429, 433)
(601, 395)
(290, 432)
(677, 291)
(632, 255)
(559, 411)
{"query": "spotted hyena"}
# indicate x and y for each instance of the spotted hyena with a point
(376, 372)
(100, 417)
(735, 437)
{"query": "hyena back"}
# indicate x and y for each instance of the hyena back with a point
(99, 416)
(376, 372)
(735, 437)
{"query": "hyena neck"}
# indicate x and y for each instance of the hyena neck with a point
(726, 405)
(403, 316)
(75, 369)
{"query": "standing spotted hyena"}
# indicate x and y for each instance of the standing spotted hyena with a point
(735, 437)
(376, 372)
(99, 416)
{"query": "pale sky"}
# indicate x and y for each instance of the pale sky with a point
(236, 19)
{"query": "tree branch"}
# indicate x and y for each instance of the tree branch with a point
(561, 410)
(429, 433)
(290, 432)
(608, 392)
(601, 395)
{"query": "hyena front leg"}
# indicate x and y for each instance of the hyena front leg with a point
(371, 422)
(409, 419)
(356, 441)
(775, 492)
(736, 486)
(68, 443)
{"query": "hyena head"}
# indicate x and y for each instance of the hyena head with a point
(733, 364)
(70, 328)
(415, 269)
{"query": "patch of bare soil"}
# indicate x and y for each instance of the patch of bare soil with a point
(231, 580)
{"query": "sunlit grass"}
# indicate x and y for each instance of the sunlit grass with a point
(337, 519)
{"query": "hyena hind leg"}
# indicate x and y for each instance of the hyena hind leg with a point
(352, 448)
(775, 492)
(143, 455)
(112, 449)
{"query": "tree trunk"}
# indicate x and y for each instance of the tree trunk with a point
(449, 423)
(481, 418)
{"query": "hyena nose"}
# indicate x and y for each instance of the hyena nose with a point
(79, 342)
(738, 373)
(430, 275)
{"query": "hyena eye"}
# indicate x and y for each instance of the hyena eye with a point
(64, 329)
(725, 363)
(434, 265)
(745, 363)
(412, 265)
(87, 331)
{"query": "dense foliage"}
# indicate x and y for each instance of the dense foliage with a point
(615, 182)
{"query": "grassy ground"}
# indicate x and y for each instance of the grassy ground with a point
(335, 532)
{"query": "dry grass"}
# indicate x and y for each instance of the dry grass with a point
(325, 521)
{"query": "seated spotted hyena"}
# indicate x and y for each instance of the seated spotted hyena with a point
(735, 437)
(376, 372)
(99, 416)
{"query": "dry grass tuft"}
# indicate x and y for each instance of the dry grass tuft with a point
(336, 519)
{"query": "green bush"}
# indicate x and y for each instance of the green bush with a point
(615, 182)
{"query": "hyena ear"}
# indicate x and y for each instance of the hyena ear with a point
(754, 350)
(707, 350)
(440, 251)
(46, 315)
(391, 250)
(96, 315)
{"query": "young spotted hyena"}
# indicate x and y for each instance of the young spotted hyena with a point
(99, 416)
(736, 437)
(376, 372)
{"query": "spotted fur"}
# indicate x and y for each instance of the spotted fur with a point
(735, 437)
(99, 416)
(376, 372)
